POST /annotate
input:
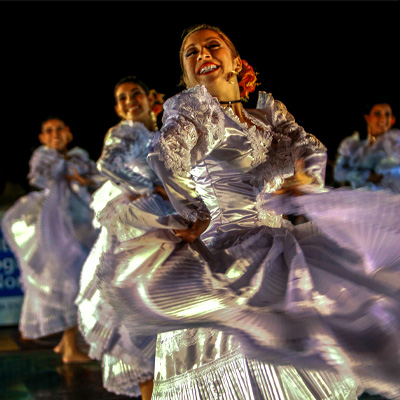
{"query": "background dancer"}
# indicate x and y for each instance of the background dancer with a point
(372, 162)
(51, 234)
(127, 362)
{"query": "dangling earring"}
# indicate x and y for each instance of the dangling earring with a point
(154, 120)
(232, 73)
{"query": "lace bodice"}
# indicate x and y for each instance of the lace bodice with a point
(211, 164)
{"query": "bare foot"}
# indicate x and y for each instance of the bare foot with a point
(75, 357)
(60, 347)
(24, 339)
(146, 389)
(70, 351)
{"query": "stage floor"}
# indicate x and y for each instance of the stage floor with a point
(30, 370)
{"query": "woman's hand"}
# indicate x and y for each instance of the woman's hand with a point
(79, 178)
(291, 185)
(161, 191)
(134, 197)
(192, 233)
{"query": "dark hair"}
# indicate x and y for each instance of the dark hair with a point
(132, 79)
(189, 31)
(50, 117)
(377, 100)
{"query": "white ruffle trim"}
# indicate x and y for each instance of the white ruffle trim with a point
(235, 377)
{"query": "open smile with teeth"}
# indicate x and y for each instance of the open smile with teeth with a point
(132, 108)
(206, 69)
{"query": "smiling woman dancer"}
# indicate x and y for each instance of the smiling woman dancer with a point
(127, 362)
(259, 308)
(373, 162)
(51, 234)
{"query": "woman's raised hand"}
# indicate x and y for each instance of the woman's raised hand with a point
(293, 184)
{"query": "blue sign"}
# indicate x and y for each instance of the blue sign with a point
(11, 294)
(10, 283)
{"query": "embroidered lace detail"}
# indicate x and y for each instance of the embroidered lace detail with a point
(172, 342)
(259, 135)
(268, 217)
(193, 126)
(284, 124)
(124, 157)
(175, 143)
(290, 143)
(275, 136)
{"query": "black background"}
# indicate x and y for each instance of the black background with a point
(324, 60)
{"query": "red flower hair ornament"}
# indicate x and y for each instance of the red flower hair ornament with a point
(158, 101)
(248, 80)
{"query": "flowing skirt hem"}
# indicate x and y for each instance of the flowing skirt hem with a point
(235, 377)
(32, 327)
(123, 379)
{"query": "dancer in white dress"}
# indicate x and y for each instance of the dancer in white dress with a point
(127, 362)
(50, 231)
(373, 162)
(266, 310)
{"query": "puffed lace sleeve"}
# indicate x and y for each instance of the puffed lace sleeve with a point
(123, 159)
(290, 142)
(389, 165)
(347, 169)
(193, 124)
(46, 166)
(78, 159)
(391, 146)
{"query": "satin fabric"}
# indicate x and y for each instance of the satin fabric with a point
(51, 233)
(127, 359)
(234, 297)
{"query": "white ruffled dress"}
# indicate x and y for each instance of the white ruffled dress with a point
(260, 309)
(50, 232)
(357, 159)
(126, 360)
